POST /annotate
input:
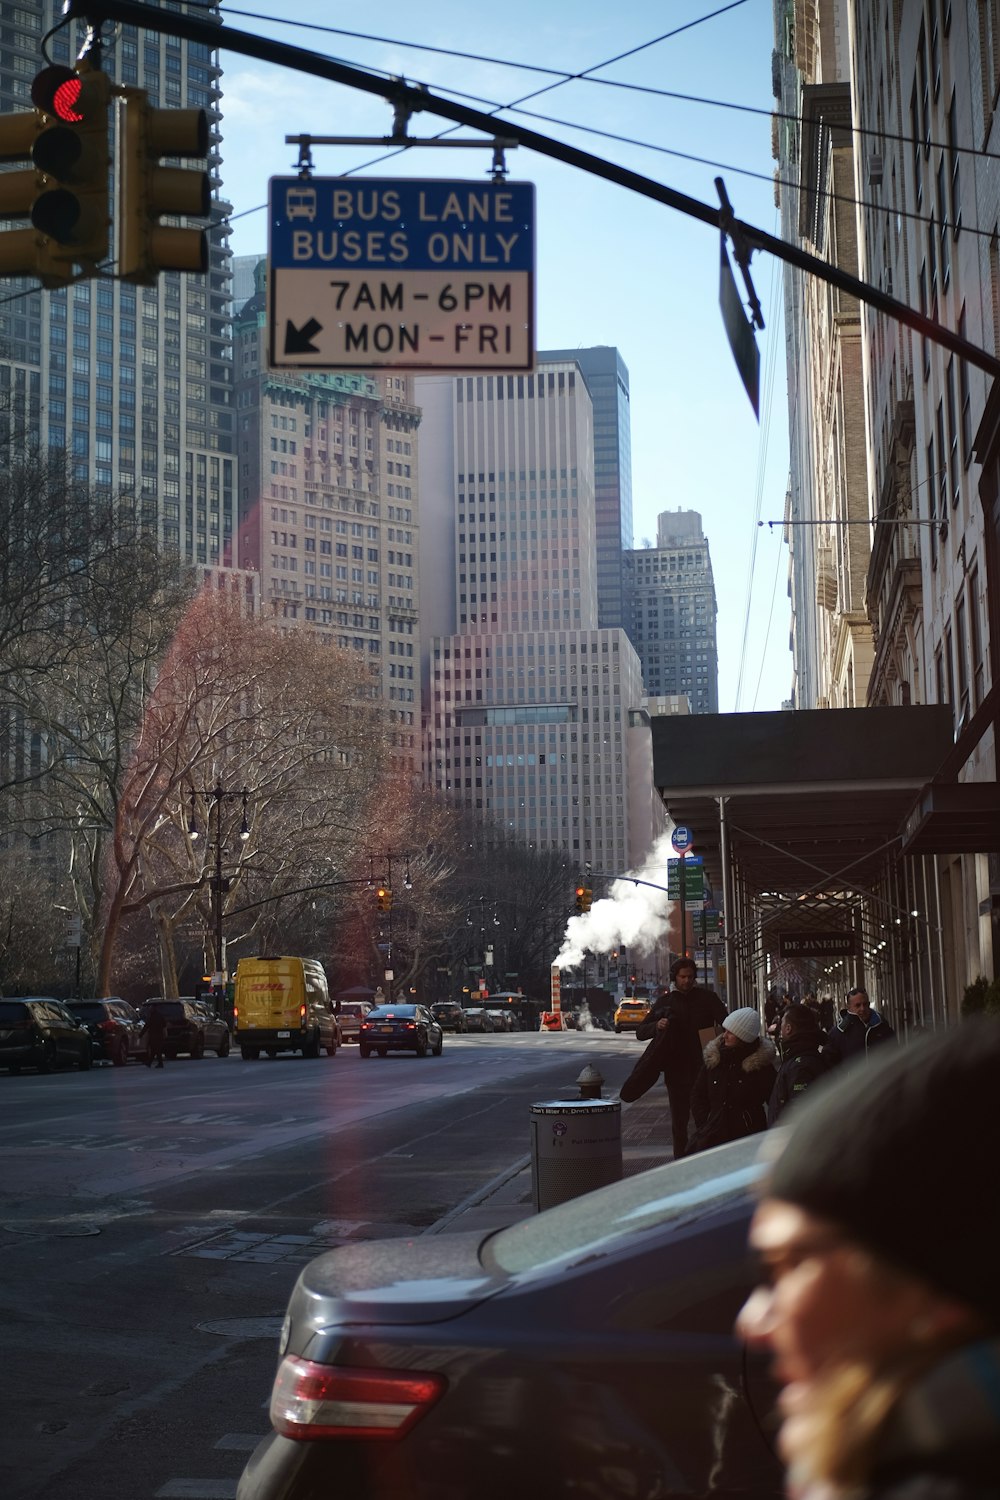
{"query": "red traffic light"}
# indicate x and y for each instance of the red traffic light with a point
(57, 91)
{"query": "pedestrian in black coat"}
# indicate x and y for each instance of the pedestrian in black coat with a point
(736, 1079)
(801, 1060)
(859, 1031)
(677, 1017)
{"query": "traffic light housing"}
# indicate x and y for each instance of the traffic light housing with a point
(584, 896)
(71, 152)
(63, 186)
(383, 898)
(148, 190)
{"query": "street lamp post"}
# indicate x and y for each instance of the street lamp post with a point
(219, 795)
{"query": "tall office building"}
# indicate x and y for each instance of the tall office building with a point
(134, 383)
(528, 700)
(606, 376)
(328, 511)
(670, 597)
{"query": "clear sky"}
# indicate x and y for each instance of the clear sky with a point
(612, 267)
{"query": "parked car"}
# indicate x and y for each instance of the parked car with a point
(188, 1028)
(478, 1018)
(115, 1029)
(39, 1032)
(587, 1350)
(503, 1018)
(352, 1013)
(400, 1028)
(449, 1015)
(630, 1013)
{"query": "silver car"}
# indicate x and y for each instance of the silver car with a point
(352, 1013)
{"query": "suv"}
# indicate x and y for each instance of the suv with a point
(449, 1015)
(631, 1012)
(115, 1029)
(189, 1029)
(41, 1032)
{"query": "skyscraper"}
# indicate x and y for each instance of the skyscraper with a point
(328, 511)
(527, 698)
(606, 377)
(134, 383)
(670, 598)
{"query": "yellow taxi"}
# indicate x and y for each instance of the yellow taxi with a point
(630, 1013)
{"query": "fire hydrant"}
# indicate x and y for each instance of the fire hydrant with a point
(589, 1083)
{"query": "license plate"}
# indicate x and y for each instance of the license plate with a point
(385, 1028)
(284, 1033)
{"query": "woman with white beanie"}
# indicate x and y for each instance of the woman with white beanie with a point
(735, 1082)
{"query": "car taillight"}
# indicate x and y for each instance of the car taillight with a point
(302, 1015)
(236, 1014)
(105, 1025)
(411, 1025)
(321, 1401)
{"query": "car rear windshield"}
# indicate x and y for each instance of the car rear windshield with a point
(596, 1223)
(12, 1010)
(85, 1007)
(167, 1007)
(386, 1012)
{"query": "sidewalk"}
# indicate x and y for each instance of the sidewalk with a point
(646, 1142)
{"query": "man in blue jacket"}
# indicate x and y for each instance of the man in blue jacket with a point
(859, 1030)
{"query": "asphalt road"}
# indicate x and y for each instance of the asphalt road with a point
(152, 1224)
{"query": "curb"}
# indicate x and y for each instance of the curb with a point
(480, 1196)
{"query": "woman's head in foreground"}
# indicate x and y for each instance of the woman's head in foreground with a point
(879, 1237)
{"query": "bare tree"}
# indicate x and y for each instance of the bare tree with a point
(240, 704)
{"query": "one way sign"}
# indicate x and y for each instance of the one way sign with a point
(401, 274)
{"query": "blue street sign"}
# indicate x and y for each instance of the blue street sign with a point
(401, 273)
(682, 838)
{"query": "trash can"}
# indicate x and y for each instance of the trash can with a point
(576, 1145)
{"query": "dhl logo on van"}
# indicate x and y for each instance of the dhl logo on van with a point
(268, 987)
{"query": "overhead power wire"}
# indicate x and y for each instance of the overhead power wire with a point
(387, 41)
(705, 161)
(615, 83)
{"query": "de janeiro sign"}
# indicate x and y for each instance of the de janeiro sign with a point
(401, 274)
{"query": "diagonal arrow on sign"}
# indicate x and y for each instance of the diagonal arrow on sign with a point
(300, 340)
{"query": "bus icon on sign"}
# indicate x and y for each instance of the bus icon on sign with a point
(300, 203)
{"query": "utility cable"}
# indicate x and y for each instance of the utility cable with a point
(927, 143)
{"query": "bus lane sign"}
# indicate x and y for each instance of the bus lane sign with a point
(409, 274)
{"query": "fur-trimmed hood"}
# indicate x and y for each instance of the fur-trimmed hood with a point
(763, 1055)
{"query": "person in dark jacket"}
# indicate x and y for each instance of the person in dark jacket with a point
(155, 1033)
(879, 1237)
(736, 1080)
(801, 1061)
(677, 1017)
(858, 1032)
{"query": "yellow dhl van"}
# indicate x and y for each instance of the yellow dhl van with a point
(283, 1005)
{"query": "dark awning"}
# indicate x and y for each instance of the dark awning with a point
(954, 818)
(816, 798)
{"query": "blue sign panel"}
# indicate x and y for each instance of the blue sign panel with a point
(396, 273)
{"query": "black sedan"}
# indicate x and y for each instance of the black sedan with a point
(586, 1351)
(400, 1028)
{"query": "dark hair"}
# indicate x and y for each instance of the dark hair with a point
(859, 989)
(682, 963)
(802, 1018)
